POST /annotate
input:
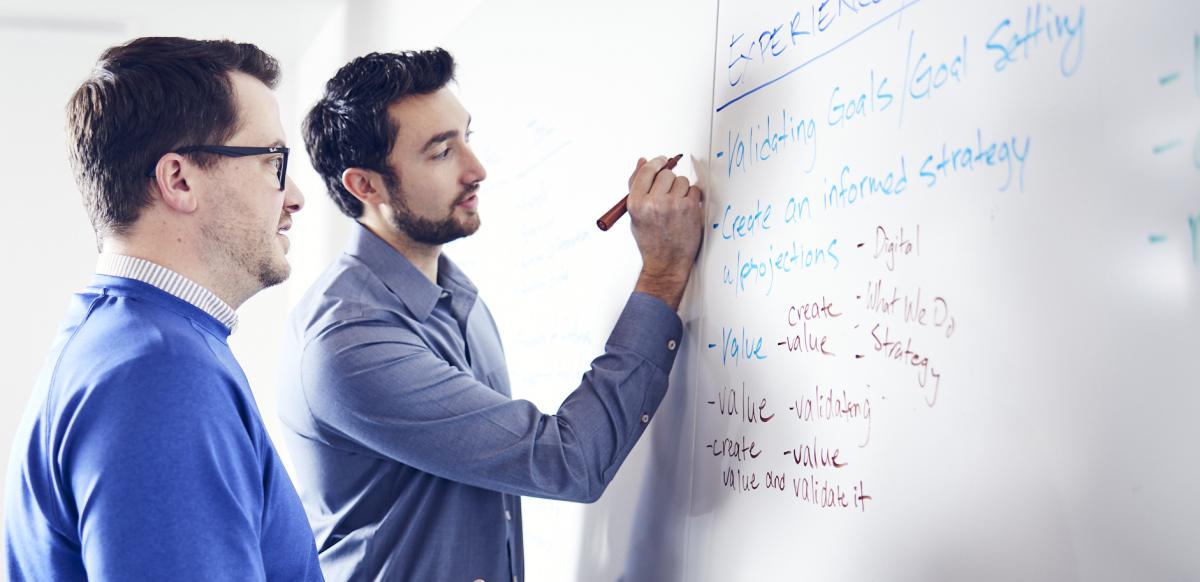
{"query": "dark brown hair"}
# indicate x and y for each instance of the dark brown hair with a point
(349, 126)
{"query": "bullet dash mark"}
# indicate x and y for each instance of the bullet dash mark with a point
(1166, 147)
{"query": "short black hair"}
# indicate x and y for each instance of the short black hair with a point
(143, 100)
(349, 126)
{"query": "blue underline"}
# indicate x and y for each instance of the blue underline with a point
(902, 8)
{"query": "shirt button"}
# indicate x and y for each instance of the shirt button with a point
(645, 418)
(507, 515)
(671, 345)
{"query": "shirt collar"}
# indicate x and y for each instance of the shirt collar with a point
(409, 284)
(169, 282)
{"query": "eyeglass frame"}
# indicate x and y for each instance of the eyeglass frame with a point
(239, 152)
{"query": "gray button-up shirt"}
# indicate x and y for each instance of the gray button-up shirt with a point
(409, 451)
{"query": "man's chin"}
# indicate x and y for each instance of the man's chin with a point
(274, 273)
(471, 226)
(427, 232)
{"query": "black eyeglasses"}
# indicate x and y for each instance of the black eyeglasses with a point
(240, 152)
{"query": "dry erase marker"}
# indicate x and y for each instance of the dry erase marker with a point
(616, 212)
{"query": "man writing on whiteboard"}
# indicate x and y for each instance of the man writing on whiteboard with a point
(410, 453)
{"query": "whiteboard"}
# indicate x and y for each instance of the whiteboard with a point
(951, 255)
(950, 295)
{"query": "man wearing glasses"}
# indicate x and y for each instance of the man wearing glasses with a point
(142, 455)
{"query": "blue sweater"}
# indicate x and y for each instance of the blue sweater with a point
(142, 455)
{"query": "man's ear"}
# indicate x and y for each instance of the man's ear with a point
(171, 179)
(365, 185)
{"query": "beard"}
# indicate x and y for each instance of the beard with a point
(247, 252)
(428, 231)
(266, 268)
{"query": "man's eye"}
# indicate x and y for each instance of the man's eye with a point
(442, 155)
(277, 163)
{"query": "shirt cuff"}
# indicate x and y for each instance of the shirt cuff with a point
(649, 328)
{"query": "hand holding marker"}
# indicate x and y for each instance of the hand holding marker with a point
(616, 212)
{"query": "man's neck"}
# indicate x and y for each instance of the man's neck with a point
(171, 254)
(424, 257)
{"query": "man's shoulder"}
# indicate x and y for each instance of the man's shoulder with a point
(133, 352)
(127, 372)
(116, 331)
(348, 290)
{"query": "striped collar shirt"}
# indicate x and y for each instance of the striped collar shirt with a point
(170, 282)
